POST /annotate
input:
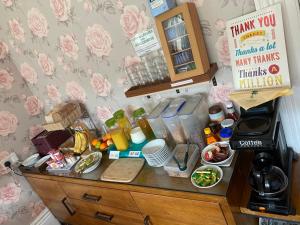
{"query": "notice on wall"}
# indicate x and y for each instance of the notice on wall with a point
(258, 51)
(145, 42)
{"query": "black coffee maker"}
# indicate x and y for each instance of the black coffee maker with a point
(260, 130)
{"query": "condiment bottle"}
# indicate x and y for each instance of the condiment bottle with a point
(231, 114)
(225, 134)
(209, 136)
(123, 122)
(139, 116)
(216, 113)
(117, 135)
(215, 127)
(227, 123)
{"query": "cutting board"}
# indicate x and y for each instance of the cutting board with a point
(123, 170)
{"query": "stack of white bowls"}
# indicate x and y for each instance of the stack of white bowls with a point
(157, 153)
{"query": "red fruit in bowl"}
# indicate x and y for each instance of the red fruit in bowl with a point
(208, 156)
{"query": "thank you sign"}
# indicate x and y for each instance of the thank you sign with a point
(258, 51)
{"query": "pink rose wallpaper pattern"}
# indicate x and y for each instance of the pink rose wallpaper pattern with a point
(6, 79)
(55, 50)
(16, 129)
(46, 64)
(16, 30)
(68, 45)
(3, 50)
(28, 73)
(98, 40)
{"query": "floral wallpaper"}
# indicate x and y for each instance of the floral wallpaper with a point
(18, 119)
(55, 50)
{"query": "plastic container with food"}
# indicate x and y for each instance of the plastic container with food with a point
(137, 135)
(154, 118)
(193, 117)
(179, 152)
(118, 136)
(172, 121)
(141, 120)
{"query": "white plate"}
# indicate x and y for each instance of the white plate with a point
(154, 146)
(203, 168)
(42, 161)
(90, 169)
(209, 147)
(31, 160)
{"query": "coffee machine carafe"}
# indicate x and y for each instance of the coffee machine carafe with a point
(260, 130)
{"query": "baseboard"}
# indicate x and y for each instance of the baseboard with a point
(45, 218)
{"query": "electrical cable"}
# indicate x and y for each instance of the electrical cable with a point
(8, 165)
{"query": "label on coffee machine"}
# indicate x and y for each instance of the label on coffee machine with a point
(251, 144)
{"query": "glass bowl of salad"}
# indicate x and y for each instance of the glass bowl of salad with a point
(207, 176)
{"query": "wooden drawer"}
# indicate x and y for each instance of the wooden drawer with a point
(53, 197)
(85, 220)
(109, 197)
(59, 210)
(47, 189)
(106, 214)
(188, 212)
(154, 220)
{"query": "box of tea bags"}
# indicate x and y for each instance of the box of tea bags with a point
(160, 6)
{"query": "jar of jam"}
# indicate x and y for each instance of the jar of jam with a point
(216, 114)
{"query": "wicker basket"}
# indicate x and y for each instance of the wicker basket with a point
(62, 116)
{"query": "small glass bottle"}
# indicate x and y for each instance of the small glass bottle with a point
(139, 116)
(123, 122)
(117, 135)
(209, 136)
(231, 114)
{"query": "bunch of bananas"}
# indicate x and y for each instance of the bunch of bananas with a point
(81, 141)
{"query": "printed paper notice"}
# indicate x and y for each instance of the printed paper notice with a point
(258, 51)
(145, 42)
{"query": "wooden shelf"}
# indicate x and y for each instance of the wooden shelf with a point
(168, 84)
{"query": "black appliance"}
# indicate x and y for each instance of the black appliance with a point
(260, 130)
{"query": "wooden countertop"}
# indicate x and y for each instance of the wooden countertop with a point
(150, 177)
(295, 198)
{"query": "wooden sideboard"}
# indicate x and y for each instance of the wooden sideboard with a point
(82, 202)
(152, 198)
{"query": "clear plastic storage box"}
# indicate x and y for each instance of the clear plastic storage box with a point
(194, 117)
(179, 152)
(172, 120)
(154, 118)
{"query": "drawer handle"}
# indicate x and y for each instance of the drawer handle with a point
(91, 197)
(147, 221)
(71, 212)
(103, 216)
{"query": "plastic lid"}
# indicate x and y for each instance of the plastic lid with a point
(229, 104)
(159, 109)
(110, 122)
(207, 130)
(119, 114)
(227, 123)
(226, 133)
(190, 105)
(173, 108)
(138, 112)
